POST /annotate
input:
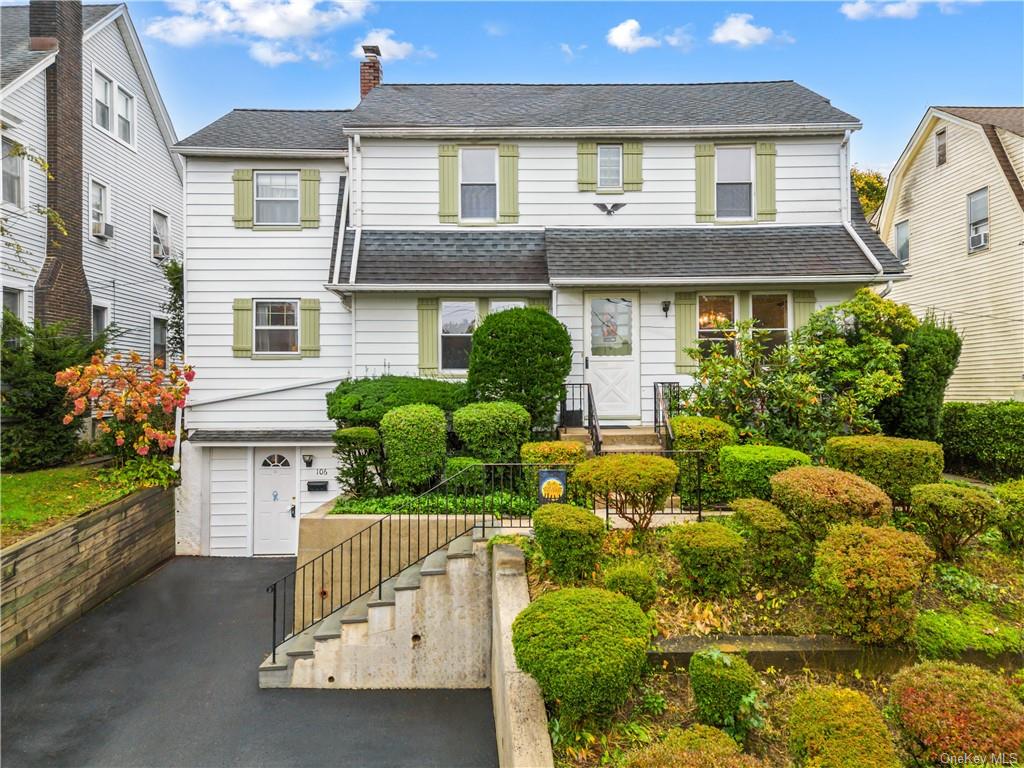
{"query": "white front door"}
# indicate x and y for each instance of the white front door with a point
(612, 363)
(275, 521)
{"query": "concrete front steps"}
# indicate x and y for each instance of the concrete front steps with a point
(642, 439)
(428, 628)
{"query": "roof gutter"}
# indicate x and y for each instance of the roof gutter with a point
(496, 288)
(669, 280)
(257, 152)
(652, 131)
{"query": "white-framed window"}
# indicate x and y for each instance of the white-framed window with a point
(903, 241)
(275, 326)
(977, 220)
(734, 182)
(13, 174)
(113, 108)
(716, 321)
(458, 321)
(478, 184)
(99, 206)
(277, 198)
(770, 314)
(161, 226)
(101, 320)
(158, 340)
(103, 99)
(125, 104)
(609, 166)
(499, 305)
(14, 301)
(940, 146)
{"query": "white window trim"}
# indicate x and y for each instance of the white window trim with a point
(491, 302)
(896, 236)
(297, 328)
(614, 187)
(945, 135)
(24, 182)
(497, 185)
(108, 212)
(153, 316)
(789, 311)
(298, 198)
(441, 334)
(753, 183)
(988, 219)
(170, 237)
(110, 319)
(22, 287)
(114, 86)
(735, 308)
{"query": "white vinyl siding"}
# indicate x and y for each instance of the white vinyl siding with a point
(229, 496)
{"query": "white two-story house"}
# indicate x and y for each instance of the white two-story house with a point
(76, 92)
(327, 245)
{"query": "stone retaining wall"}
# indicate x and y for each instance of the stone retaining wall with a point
(52, 578)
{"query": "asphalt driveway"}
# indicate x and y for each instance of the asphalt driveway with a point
(164, 674)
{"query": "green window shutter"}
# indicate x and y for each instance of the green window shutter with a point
(686, 331)
(241, 344)
(765, 169)
(632, 166)
(540, 302)
(242, 178)
(508, 184)
(743, 297)
(448, 183)
(309, 327)
(804, 303)
(705, 175)
(586, 166)
(429, 360)
(309, 197)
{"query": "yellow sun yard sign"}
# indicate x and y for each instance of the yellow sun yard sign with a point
(551, 486)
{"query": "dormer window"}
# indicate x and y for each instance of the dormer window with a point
(609, 166)
(478, 184)
(734, 188)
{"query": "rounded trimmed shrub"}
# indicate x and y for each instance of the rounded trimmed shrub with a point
(553, 452)
(775, 549)
(954, 709)
(1011, 497)
(634, 485)
(710, 556)
(521, 355)
(816, 498)
(415, 439)
(586, 648)
(492, 432)
(725, 691)
(681, 747)
(865, 578)
(632, 578)
(894, 464)
(746, 469)
(570, 539)
(701, 433)
(363, 402)
(950, 516)
(465, 475)
(358, 452)
(838, 728)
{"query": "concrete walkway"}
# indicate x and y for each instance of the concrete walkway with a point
(164, 674)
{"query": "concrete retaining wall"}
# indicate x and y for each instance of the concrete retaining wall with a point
(520, 720)
(52, 578)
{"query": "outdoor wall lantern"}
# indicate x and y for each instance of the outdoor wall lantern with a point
(665, 305)
(307, 459)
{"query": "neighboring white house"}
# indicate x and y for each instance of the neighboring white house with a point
(77, 92)
(327, 245)
(954, 213)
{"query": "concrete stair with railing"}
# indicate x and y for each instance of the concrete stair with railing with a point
(426, 627)
(640, 439)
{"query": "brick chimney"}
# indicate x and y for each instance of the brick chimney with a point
(369, 70)
(62, 291)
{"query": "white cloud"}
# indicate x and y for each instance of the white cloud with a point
(495, 29)
(627, 38)
(737, 29)
(390, 49)
(681, 38)
(272, 54)
(858, 10)
(571, 52)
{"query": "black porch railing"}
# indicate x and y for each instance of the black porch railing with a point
(578, 409)
(667, 395)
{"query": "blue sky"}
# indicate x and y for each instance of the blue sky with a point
(883, 61)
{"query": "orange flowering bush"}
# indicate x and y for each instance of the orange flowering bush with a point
(132, 401)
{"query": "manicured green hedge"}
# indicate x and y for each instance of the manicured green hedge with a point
(746, 469)
(358, 450)
(816, 498)
(570, 539)
(415, 439)
(832, 727)
(894, 464)
(465, 475)
(696, 745)
(948, 635)
(775, 549)
(496, 503)
(708, 435)
(634, 579)
(725, 691)
(492, 432)
(1011, 497)
(865, 578)
(586, 648)
(710, 556)
(363, 402)
(635, 486)
(950, 516)
(983, 439)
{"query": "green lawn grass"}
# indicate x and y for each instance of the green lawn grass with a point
(33, 501)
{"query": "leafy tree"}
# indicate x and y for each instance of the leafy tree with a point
(174, 273)
(870, 186)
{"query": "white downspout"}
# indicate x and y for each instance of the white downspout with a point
(343, 223)
(176, 456)
(355, 153)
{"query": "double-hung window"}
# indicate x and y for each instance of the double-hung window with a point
(770, 314)
(12, 301)
(458, 321)
(277, 198)
(99, 206)
(977, 217)
(609, 166)
(276, 326)
(101, 319)
(161, 236)
(940, 146)
(478, 185)
(716, 321)
(13, 175)
(903, 242)
(125, 103)
(734, 188)
(160, 341)
(103, 99)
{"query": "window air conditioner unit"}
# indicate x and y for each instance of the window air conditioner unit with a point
(979, 241)
(162, 253)
(103, 231)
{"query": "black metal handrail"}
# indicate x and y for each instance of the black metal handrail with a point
(578, 409)
(666, 405)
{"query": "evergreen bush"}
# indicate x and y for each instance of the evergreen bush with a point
(415, 438)
(838, 728)
(815, 498)
(746, 469)
(708, 435)
(634, 485)
(725, 689)
(983, 439)
(775, 549)
(951, 516)
(894, 464)
(710, 556)
(634, 579)
(358, 450)
(492, 432)
(570, 539)
(1011, 525)
(465, 475)
(363, 402)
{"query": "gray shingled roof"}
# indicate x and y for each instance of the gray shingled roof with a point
(295, 129)
(15, 56)
(1008, 118)
(867, 233)
(781, 102)
(444, 256)
(261, 436)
